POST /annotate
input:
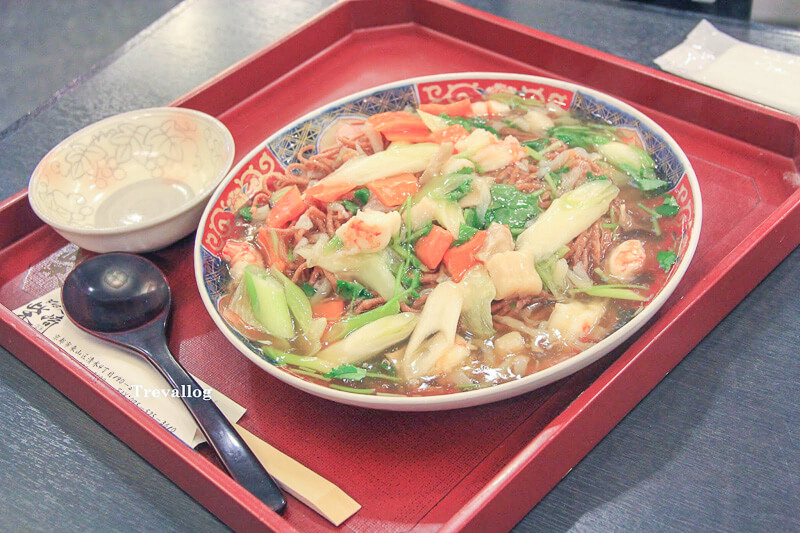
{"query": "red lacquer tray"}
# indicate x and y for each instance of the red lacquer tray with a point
(479, 468)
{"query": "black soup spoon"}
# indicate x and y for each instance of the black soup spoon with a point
(124, 298)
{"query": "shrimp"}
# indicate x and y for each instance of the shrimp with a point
(626, 259)
(489, 107)
(575, 321)
(369, 230)
(239, 254)
(497, 155)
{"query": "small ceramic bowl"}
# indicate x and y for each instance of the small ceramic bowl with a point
(133, 182)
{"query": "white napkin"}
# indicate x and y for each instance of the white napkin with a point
(713, 58)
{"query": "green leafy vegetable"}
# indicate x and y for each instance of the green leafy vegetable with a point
(246, 213)
(591, 177)
(353, 322)
(465, 233)
(620, 292)
(370, 340)
(352, 290)
(440, 187)
(471, 218)
(420, 232)
(466, 171)
(469, 124)
(370, 269)
(307, 373)
(334, 244)
(666, 259)
(351, 389)
(552, 180)
(476, 312)
(555, 283)
(581, 136)
(654, 216)
(412, 281)
(669, 208)
(392, 307)
(635, 162)
(533, 153)
(515, 101)
(512, 207)
(308, 289)
(350, 372)
(567, 217)
(362, 195)
(306, 362)
(296, 299)
(537, 144)
(406, 252)
(396, 159)
(268, 302)
(350, 206)
(460, 192)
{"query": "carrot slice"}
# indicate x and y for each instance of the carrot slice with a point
(272, 247)
(287, 209)
(394, 190)
(462, 108)
(328, 192)
(431, 248)
(460, 259)
(451, 134)
(400, 126)
(330, 309)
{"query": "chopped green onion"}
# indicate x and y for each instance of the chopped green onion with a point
(591, 177)
(460, 192)
(666, 259)
(312, 374)
(471, 218)
(616, 291)
(465, 233)
(246, 213)
(352, 389)
(548, 178)
(378, 375)
(352, 290)
(648, 210)
(308, 289)
(350, 206)
(669, 208)
(654, 218)
(334, 244)
(469, 123)
(350, 372)
(533, 153)
(515, 101)
(420, 232)
(601, 274)
(305, 362)
(362, 195)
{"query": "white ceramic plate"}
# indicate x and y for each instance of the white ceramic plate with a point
(279, 150)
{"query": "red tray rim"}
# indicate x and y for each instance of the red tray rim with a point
(498, 503)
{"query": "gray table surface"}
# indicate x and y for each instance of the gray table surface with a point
(715, 446)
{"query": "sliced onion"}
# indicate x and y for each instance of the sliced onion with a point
(375, 138)
(438, 160)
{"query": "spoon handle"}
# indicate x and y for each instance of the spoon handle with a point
(234, 453)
